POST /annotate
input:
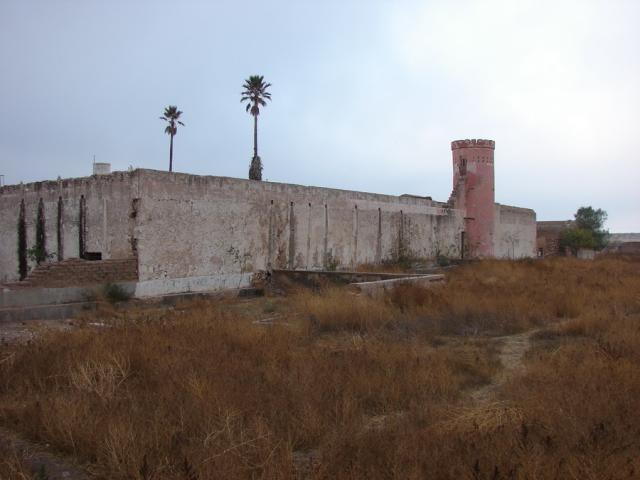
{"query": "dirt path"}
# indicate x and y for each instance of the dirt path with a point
(23, 331)
(511, 354)
(40, 461)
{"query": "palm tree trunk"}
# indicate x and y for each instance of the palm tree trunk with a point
(255, 136)
(171, 154)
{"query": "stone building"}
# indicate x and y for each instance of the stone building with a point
(548, 237)
(623, 244)
(549, 234)
(175, 232)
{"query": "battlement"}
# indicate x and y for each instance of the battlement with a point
(48, 186)
(474, 143)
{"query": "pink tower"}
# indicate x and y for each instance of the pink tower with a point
(473, 186)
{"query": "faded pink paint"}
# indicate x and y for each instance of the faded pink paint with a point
(473, 173)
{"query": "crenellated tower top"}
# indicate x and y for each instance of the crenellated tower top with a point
(474, 143)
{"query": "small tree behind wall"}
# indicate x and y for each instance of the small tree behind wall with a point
(588, 231)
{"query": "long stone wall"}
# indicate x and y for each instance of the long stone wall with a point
(191, 233)
(197, 233)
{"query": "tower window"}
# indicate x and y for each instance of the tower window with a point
(463, 166)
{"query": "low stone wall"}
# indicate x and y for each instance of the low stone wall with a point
(24, 297)
(379, 287)
(315, 278)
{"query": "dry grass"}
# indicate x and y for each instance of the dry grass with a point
(12, 466)
(202, 392)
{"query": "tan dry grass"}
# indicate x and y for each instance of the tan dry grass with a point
(12, 466)
(199, 391)
(142, 397)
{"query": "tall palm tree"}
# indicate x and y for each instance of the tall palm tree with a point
(255, 92)
(171, 116)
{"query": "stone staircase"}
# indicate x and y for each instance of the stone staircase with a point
(76, 272)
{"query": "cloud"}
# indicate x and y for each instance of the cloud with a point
(555, 83)
(561, 70)
(366, 96)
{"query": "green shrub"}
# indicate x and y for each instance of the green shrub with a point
(115, 293)
(443, 261)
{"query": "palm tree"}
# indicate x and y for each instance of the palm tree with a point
(171, 116)
(255, 92)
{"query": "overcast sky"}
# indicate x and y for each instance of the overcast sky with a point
(367, 95)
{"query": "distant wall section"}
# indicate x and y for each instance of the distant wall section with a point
(515, 232)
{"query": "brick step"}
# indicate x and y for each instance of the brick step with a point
(79, 272)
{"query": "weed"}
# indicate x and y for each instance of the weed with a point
(41, 474)
(331, 263)
(269, 307)
(115, 293)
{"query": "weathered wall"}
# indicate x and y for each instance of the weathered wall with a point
(548, 235)
(196, 232)
(623, 243)
(107, 230)
(192, 232)
(515, 232)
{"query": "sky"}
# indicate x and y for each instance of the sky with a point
(367, 94)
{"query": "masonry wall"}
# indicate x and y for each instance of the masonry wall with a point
(192, 232)
(515, 232)
(196, 232)
(548, 235)
(107, 228)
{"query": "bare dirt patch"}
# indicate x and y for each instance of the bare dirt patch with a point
(31, 459)
(512, 349)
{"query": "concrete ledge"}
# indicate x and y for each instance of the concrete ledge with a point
(209, 283)
(30, 297)
(379, 287)
(313, 278)
(70, 310)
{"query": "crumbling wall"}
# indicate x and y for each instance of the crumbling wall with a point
(548, 234)
(196, 232)
(106, 202)
(515, 232)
